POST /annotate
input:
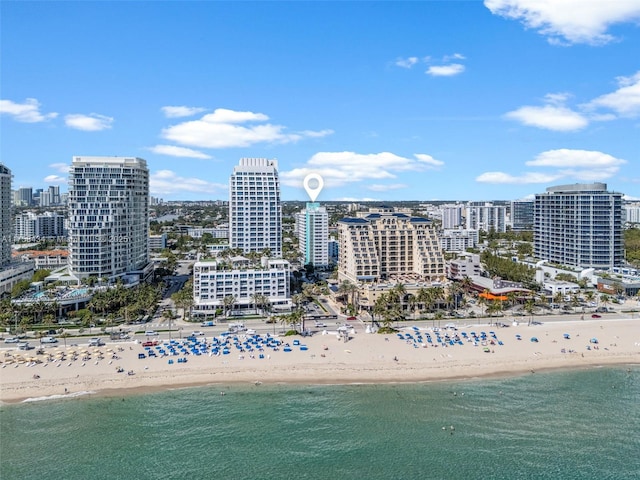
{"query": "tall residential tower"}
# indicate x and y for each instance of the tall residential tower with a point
(312, 230)
(255, 213)
(5, 215)
(579, 225)
(108, 217)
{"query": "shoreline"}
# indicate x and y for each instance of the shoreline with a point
(365, 359)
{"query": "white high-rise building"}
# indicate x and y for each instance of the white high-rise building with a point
(579, 225)
(34, 227)
(108, 217)
(486, 216)
(255, 212)
(312, 230)
(5, 215)
(451, 216)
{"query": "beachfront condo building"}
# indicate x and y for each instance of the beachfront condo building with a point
(386, 245)
(236, 284)
(255, 212)
(109, 217)
(312, 230)
(5, 215)
(579, 225)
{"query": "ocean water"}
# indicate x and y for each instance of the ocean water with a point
(560, 425)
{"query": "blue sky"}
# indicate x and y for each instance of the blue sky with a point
(422, 100)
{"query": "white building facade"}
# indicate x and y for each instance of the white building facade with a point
(255, 212)
(108, 217)
(33, 227)
(312, 230)
(579, 225)
(486, 216)
(458, 240)
(214, 280)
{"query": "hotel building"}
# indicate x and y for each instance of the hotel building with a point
(387, 245)
(214, 280)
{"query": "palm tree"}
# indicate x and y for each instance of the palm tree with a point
(228, 302)
(379, 307)
(529, 307)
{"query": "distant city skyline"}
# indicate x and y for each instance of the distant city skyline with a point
(431, 101)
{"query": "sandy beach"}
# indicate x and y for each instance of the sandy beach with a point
(365, 358)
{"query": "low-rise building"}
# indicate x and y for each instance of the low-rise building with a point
(158, 242)
(213, 280)
(459, 240)
(44, 259)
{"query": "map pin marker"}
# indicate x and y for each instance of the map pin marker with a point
(313, 191)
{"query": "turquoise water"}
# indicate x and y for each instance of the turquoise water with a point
(560, 425)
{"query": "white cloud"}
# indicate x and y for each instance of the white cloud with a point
(224, 115)
(567, 158)
(341, 168)
(60, 167)
(569, 21)
(53, 179)
(93, 122)
(378, 187)
(579, 165)
(220, 129)
(526, 178)
(175, 151)
(165, 182)
(445, 70)
(551, 117)
(591, 175)
(354, 199)
(181, 111)
(406, 62)
(455, 56)
(625, 101)
(428, 160)
(27, 112)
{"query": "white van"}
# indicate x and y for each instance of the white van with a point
(49, 340)
(236, 327)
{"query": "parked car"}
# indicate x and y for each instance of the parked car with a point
(95, 342)
(11, 340)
